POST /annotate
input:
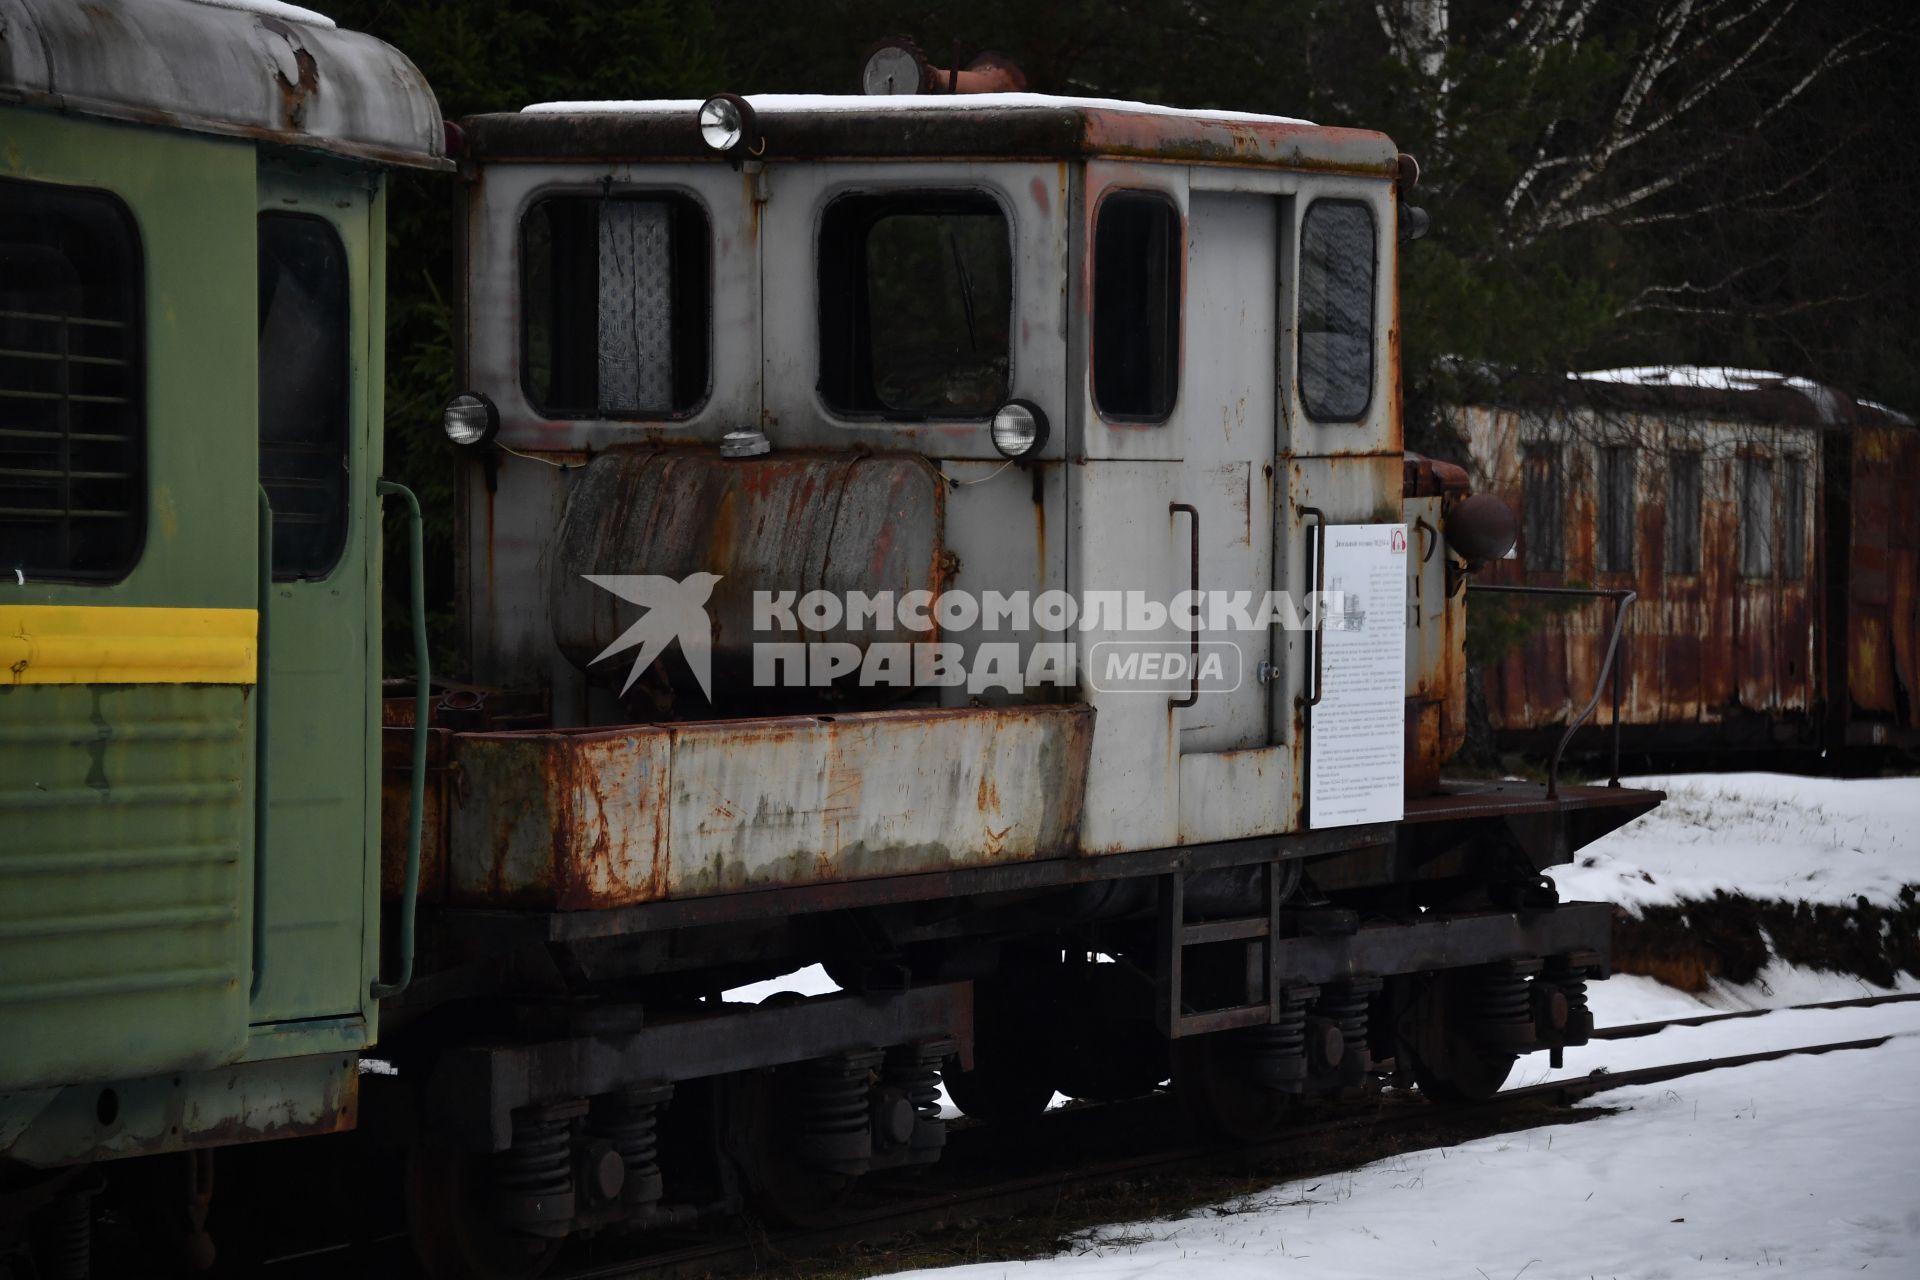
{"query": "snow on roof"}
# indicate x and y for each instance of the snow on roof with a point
(1704, 377)
(274, 9)
(908, 102)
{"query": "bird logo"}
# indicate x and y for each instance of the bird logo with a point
(674, 610)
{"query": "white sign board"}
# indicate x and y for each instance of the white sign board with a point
(1357, 735)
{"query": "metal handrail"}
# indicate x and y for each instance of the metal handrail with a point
(1621, 598)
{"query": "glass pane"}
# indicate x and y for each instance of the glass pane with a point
(73, 499)
(1615, 549)
(1756, 517)
(939, 302)
(614, 306)
(1544, 512)
(1336, 310)
(1793, 538)
(1683, 514)
(1136, 307)
(305, 318)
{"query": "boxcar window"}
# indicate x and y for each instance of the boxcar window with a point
(1136, 306)
(1614, 538)
(1683, 514)
(616, 306)
(73, 497)
(916, 305)
(1544, 510)
(1793, 523)
(305, 375)
(1756, 517)
(1336, 310)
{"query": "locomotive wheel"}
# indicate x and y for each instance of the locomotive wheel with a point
(1012, 1080)
(454, 1236)
(780, 1186)
(1217, 1097)
(1447, 1065)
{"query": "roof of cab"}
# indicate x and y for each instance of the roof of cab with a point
(934, 126)
(240, 68)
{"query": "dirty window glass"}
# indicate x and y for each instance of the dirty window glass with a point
(1336, 310)
(1756, 517)
(1683, 514)
(73, 499)
(916, 305)
(1793, 522)
(1614, 541)
(305, 318)
(1136, 306)
(1544, 510)
(615, 305)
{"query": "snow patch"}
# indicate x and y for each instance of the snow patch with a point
(1764, 835)
(830, 102)
(274, 9)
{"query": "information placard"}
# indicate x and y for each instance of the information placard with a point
(1357, 738)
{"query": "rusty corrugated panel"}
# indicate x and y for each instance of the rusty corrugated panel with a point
(581, 819)
(790, 523)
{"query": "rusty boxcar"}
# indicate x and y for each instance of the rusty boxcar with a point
(1755, 516)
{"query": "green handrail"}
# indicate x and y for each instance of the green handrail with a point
(264, 591)
(422, 677)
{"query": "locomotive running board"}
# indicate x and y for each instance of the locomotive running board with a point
(1370, 952)
(475, 1090)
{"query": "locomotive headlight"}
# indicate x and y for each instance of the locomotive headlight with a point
(1019, 429)
(726, 121)
(470, 419)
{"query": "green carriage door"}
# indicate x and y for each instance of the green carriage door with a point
(316, 465)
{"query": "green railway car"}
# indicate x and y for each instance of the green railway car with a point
(192, 267)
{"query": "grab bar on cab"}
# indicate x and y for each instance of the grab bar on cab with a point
(264, 592)
(1622, 599)
(1193, 572)
(422, 679)
(1314, 689)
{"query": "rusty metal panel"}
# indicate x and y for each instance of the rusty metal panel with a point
(582, 819)
(224, 71)
(1883, 611)
(396, 781)
(779, 523)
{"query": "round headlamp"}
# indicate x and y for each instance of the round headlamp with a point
(1019, 429)
(470, 419)
(726, 122)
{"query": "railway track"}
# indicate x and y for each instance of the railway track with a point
(1086, 1165)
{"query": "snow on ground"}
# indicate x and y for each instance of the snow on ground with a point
(1766, 835)
(1776, 1168)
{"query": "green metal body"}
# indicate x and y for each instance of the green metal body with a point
(130, 952)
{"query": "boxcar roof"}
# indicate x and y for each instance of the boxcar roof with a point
(1698, 391)
(936, 126)
(241, 68)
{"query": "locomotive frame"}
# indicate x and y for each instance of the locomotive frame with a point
(575, 872)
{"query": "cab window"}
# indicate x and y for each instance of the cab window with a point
(73, 492)
(916, 305)
(616, 306)
(1336, 310)
(305, 376)
(1136, 307)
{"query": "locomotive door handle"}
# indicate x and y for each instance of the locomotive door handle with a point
(422, 713)
(1314, 675)
(1193, 573)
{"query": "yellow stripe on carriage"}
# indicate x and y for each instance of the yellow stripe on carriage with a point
(117, 644)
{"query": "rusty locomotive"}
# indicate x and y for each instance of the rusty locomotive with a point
(957, 537)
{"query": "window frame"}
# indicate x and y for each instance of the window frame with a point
(140, 455)
(1750, 464)
(1176, 296)
(686, 198)
(1555, 455)
(344, 537)
(911, 199)
(1616, 509)
(1690, 460)
(1373, 313)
